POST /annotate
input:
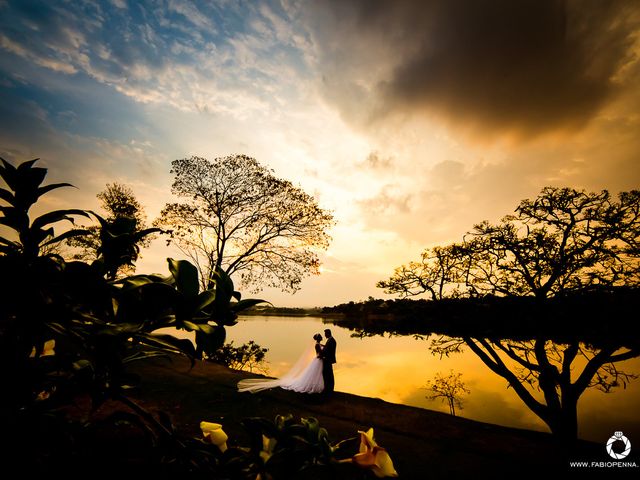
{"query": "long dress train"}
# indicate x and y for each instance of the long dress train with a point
(304, 377)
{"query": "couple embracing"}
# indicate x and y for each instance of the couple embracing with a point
(312, 373)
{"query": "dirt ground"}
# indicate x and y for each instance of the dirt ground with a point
(422, 443)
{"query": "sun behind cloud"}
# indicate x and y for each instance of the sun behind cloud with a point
(410, 120)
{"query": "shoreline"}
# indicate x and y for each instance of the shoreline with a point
(421, 442)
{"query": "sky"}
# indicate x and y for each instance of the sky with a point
(410, 120)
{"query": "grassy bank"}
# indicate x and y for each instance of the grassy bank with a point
(422, 443)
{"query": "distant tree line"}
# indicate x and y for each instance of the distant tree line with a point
(273, 310)
(588, 316)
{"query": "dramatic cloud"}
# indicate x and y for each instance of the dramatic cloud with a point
(206, 57)
(493, 67)
(410, 120)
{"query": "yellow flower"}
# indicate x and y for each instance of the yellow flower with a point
(268, 446)
(374, 457)
(213, 433)
(367, 442)
(47, 350)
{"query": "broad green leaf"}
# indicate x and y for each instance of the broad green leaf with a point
(16, 219)
(186, 276)
(143, 355)
(224, 287)
(133, 281)
(8, 173)
(47, 188)
(168, 342)
(212, 341)
(8, 249)
(8, 242)
(244, 304)
(34, 236)
(119, 329)
(6, 165)
(75, 334)
(147, 231)
(7, 196)
(28, 180)
(78, 232)
(157, 291)
(199, 327)
(204, 299)
(81, 364)
(56, 216)
(27, 165)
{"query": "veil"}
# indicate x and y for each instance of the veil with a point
(258, 384)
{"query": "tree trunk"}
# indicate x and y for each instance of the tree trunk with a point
(564, 422)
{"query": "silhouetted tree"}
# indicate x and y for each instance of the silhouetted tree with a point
(124, 214)
(449, 388)
(564, 241)
(561, 372)
(120, 240)
(239, 217)
(440, 272)
(249, 357)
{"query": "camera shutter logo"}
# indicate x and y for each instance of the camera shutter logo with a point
(618, 437)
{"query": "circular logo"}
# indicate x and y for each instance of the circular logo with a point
(618, 437)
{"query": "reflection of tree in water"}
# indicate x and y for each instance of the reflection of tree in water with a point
(561, 372)
(449, 389)
(564, 244)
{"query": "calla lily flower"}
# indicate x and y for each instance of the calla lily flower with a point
(374, 457)
(367, 442)
(47, 350)
(268, 446)
(213, 433)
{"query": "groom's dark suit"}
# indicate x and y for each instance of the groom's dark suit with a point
(328, 359)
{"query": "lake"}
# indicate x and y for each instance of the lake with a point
(397, 368)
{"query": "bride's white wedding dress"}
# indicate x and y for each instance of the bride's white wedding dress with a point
(304, 377)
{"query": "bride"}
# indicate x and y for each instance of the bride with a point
(304, 377)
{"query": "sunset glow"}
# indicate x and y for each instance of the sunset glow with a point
(411, 121)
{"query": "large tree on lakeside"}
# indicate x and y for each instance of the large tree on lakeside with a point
(564, 241)
(237, 216)
(441, 272)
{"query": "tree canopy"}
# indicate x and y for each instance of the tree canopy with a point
(563, 244)
(562, 241)
(237, 215)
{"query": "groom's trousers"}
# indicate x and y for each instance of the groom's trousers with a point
(327, 376)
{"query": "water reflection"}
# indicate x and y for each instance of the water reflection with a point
(397, 368)
(549, 376)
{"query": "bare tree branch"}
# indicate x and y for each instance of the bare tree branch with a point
(239, 217)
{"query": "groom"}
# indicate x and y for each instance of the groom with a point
(328, 359)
